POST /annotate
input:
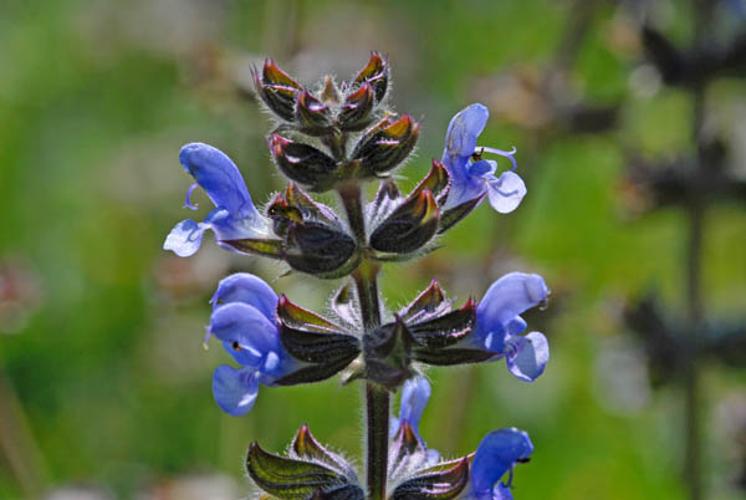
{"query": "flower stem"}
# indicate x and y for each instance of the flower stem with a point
(377, 421)
(376, 398)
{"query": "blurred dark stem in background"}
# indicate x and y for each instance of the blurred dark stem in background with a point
(679, 348)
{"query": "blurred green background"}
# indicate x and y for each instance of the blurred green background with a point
(104, 383)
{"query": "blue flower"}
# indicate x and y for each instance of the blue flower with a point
(499, 325)
(244, 319)
(234, 216)
(497, 454)
(414, 397)
(471, 176)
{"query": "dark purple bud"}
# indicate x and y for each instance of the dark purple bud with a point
(320, 249)
(386, 145)
(277, 89)
(440, 331)
(376, 74)
(313, 116)
(321, 346)
(294, 206)
(357, 109)
(283, 214)
(387, 351)
(303, 163)
(409, 227)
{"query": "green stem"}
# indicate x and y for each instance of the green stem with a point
(377, 398)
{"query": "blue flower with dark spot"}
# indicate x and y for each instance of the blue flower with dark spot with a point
(244, 319)
(499, 326)
(471, 176)
(234, 216)
(497, 454)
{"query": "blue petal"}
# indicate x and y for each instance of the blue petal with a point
(185, 238)
(482, 167)
(506, 192)
(415, 394)
(497, 453)
(248, 289)
(527, 356)
(508, 297)
(516, 326)
(464, 129)
(242, 356)
(218, 176)
(246, 327)
(234, 390)
(501, 492)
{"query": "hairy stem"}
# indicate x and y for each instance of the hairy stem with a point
(377, 398)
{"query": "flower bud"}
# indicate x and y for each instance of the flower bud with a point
(376, 74)
(409, 227)
(316, 248)
(295, 206)
(313, 116)
(387, 352)
(282, 214)
(356, 111)
(315, 341)
(386, 145)
(277, 89)
(303, 163)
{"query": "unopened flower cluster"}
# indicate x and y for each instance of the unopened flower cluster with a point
(338, 137)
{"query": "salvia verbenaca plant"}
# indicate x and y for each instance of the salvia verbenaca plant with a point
(338, 137)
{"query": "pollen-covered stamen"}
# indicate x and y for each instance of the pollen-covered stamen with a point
(510, 155)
